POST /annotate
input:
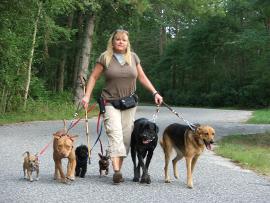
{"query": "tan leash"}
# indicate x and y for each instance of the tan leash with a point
(86, 123)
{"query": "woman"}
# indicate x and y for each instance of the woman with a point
(121, 68)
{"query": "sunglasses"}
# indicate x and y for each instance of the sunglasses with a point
(120, 30)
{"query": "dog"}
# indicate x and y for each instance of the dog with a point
(187, 143)
(104, 164)
(144, 140)
(81, 153)
(63, 147)
(30, 165)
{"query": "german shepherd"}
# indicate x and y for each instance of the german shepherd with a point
(187, 143)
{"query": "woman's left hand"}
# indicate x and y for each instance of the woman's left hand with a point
(158, 99)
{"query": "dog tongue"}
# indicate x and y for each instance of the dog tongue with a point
(208, 146)
(146, 141)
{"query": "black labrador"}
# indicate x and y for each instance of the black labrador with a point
(143, 142)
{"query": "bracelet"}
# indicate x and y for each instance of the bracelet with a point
(154, 93)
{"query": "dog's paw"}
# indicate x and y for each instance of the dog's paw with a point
(176, 176)
(72, 178)
(37, 179)
(167, 181)
(145, 179)
(148, 179)
(190, 185)
(135, 179)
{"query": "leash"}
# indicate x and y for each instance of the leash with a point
(83, 81)
(74, 123)
(43, 149)
(99, 131)
(192, 126)
(155, 114)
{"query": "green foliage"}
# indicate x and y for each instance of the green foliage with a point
(54, 107)
(220, 61)
(216, 53)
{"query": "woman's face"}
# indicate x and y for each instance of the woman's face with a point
(120, 42)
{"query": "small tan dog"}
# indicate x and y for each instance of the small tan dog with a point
(30, 165)
(63, 147)
(186, 143)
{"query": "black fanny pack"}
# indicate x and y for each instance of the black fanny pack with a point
(125, 102)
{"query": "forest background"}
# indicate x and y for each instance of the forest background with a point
(211, 53)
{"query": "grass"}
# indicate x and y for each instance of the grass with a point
(260, 117)
(43, 111)
(249, 151)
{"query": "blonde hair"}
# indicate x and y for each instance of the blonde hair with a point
(108, 54)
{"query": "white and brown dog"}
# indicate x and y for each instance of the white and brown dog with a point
(63, 147)
(30, 165)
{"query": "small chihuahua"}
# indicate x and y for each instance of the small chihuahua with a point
(30, 165)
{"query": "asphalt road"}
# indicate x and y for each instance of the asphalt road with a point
(215, 179)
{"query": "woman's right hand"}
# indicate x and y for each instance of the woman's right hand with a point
(85, 101)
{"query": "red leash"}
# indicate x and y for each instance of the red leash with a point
(44, 149)
(73, 124)
(77, 121)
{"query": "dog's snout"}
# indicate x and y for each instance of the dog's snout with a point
(211, 141)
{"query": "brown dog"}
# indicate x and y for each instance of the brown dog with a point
(30, 165)
(187, 143)
(63, 147)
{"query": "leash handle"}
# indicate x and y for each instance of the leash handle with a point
(155, 114)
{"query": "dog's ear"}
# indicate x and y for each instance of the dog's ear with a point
(157, 128)
(56, 135)
(72, 137)
(100, 155)
(59, 134)
(199, 131)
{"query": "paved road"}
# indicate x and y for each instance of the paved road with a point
(215, 179)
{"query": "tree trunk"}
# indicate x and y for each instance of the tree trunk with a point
(162, 40)
(4, 100)
(268, 24)
(61, 72)
(85, 57)
(173, 77)
(46, 48)
(27, 85)
(78, 49)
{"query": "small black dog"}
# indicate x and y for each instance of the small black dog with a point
(81, 158)
(104, 164)
(143, 141)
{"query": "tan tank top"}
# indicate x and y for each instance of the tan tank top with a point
(120, 80)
